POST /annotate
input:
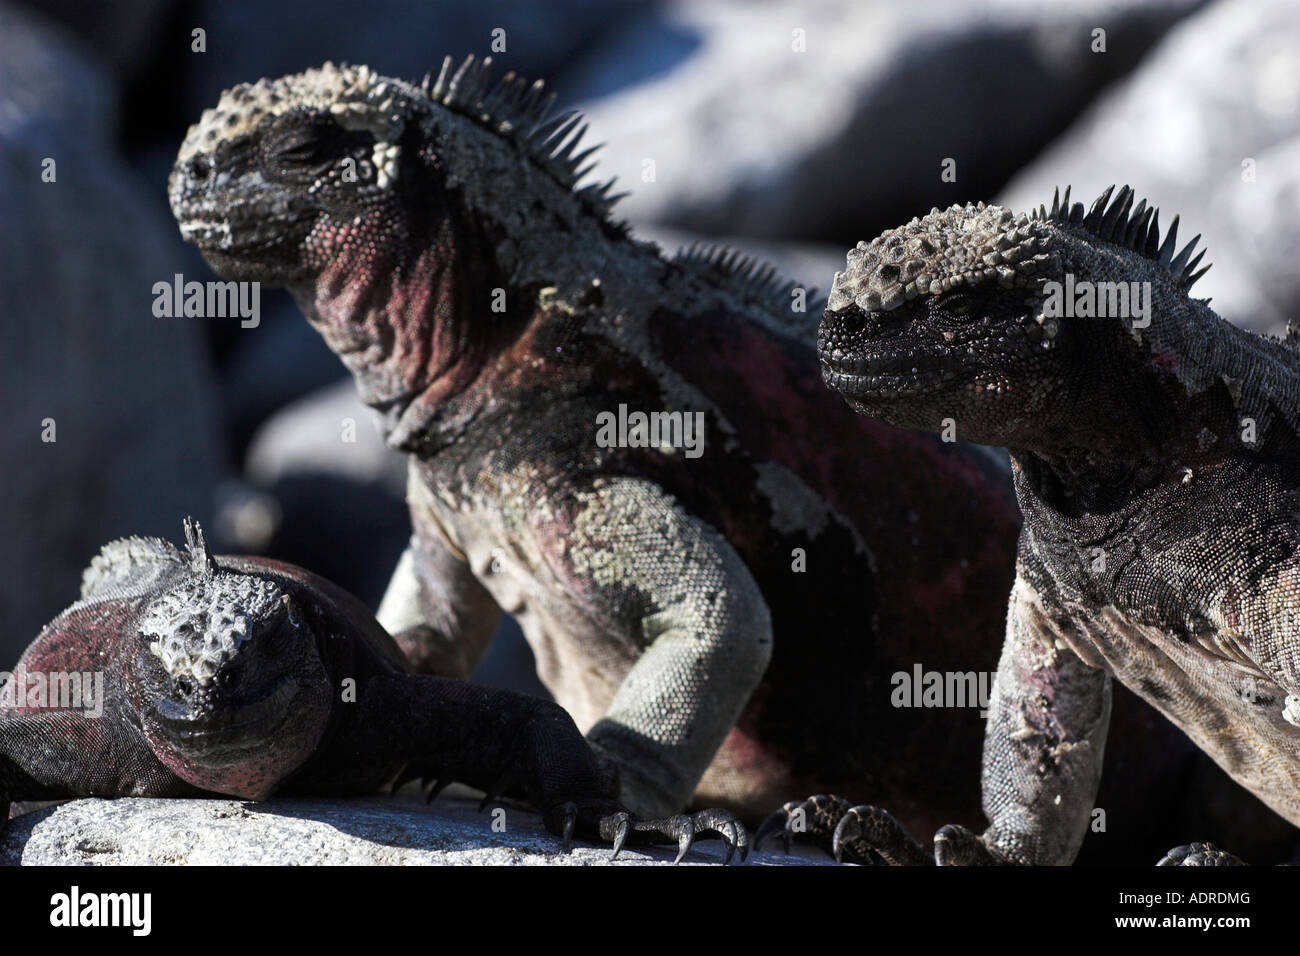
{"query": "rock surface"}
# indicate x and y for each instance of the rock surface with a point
(126, 397)
(1222, 89)
(313, 832)
(832, 120)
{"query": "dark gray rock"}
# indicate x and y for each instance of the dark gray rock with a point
(749, 136)
(273, 365)
(1222, 88)
(129, 395)
(121, 34)
(337, 493)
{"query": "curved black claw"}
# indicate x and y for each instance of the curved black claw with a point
(731, 831)
(865, 832)
(499, 788)
(779, 821)
(817, 820)
(682, 829)
(570, 823)
(1200, 854)
(435, 788)
(622, 825)
(957, 846)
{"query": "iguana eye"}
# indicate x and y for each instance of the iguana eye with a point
(297, 142)
(301, 149)
(956, 305)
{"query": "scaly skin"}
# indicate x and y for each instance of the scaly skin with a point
(248, 677)
(491, 311)
(1156, 464)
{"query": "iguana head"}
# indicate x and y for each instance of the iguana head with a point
(226, 676)
(285, 176)
(979, 315)
(394, 212)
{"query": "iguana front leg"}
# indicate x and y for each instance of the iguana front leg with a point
(435, 608)
(665, 582)
(444, 730)
(1043, 748)
(1043, 752)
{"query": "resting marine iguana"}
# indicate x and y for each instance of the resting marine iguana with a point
(246, 676)
(721, 620)
(1156, 463)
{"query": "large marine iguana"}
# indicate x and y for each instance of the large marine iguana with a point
(722, 625)
(1157, 465)
(247, 677)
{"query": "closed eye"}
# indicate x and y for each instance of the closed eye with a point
(303, 141)
(955, 303)
(305, 150)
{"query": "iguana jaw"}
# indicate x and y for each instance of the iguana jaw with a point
(252, 250)
(914, 366)
(246, 748)
(885, 377)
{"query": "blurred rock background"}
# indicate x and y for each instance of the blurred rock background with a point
(789, 128)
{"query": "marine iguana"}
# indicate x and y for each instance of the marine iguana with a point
(1156, 464)
(247, 677)
(722, 625)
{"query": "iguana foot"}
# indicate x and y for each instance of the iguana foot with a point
(681, 829)
(957, 846)
(864, 835)
(606, 821)
(870, 836)
(1199, 854)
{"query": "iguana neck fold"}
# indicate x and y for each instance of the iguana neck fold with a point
(412, 319)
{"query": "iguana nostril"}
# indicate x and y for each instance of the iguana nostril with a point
(200, 167)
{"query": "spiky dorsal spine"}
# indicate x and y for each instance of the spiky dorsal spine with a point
(202, 562)
(1138, 229)
(748, 277)
(129, 566)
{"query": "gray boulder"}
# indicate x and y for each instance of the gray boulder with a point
(751, 134)
(1221, 90)
(386, 831)
(126, 397)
